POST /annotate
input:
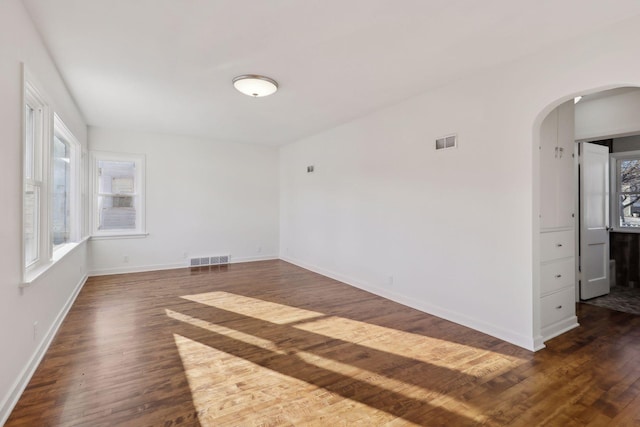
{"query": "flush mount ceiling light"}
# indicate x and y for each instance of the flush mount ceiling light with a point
(255, 85)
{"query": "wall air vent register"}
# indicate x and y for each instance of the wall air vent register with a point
(445, 142)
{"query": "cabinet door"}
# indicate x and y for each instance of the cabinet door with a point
(548, 170)
(565, 184)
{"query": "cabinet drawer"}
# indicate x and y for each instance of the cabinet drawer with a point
(557, 275)
(558, 306)
(556, 244)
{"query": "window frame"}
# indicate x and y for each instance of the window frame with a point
(42, 177)
(614, 170)
(139, 195)
(34, 98)
(61, 130)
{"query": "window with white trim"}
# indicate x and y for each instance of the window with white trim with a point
(118, 194)
(51, 208)
(34, 206)
(65, 186)
(625, 176)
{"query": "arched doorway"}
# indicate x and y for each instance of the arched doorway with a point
(558, 132)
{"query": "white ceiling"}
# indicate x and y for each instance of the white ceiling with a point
(167, 65)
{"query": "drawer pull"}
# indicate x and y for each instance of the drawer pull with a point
(558, 245)
(558, 307)
(558, 276)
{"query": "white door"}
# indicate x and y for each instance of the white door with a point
(594, 220)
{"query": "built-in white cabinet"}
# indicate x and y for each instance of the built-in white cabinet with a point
(557, 195)
(557, 222)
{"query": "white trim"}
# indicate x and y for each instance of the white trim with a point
(16, 390)
(135, 269)
(32, 94)
(528, 343)
(560, 328)
(614, 175)
(173, 266)
(61, 130)
(253, 258)
(139, 195)
(119, 236)
(38, 273)
(538, 343)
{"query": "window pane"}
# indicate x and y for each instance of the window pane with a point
(29, 141)
(116, 177)
(629, 210)
(31, 221)
(629, 176)
(116, 213)
(61, 188)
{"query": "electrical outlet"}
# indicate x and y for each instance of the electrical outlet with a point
(390, 280)
(185, 255)
(259, 249)
(125, 258)
(35, 330)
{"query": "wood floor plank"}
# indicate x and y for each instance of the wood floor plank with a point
(271, 344)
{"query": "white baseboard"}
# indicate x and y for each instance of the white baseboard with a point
(157, 267)
(538, 343)
(21, 383)
(254, 258)
(512, 337)
(559, 328)
(135, 269)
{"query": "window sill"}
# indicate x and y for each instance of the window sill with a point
(119, 236)
(38, 272)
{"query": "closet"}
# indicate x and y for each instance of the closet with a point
(557, 222)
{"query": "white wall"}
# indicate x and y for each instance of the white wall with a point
(47, 297)
(202, 197)
(610, 116)
(456, 229)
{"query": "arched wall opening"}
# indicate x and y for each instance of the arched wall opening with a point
(611, 132)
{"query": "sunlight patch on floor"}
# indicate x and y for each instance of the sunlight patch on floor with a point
(252, 307)
(232, 333)
(423, 348)
(328, 364)
(224, 387)
(292, 379)
(415, 392)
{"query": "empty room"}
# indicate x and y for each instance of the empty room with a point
(314, 213)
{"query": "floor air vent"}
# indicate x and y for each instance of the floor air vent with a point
(214, 260)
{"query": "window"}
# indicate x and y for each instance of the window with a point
(625, 169)
(65, 186)
(34, 206)
(118, 199)
(51, 184)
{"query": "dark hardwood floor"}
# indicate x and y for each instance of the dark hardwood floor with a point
(271, 344)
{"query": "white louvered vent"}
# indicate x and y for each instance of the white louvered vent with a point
(214, 260)
(445, 142)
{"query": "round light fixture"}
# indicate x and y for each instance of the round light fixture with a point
(255, 85)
